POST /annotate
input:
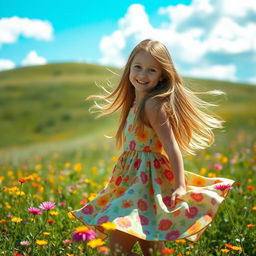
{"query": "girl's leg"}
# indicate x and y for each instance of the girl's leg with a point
(121, 243)
(149, 248)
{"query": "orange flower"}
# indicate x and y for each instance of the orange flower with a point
(251, 188)
(251, 226)
(167, 251)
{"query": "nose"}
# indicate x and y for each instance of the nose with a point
(143, 73)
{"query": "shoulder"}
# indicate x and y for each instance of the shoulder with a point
(154, 110)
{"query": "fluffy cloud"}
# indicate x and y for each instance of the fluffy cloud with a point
(206, 38)
(12, 28)
(6, 64)
(33, 59)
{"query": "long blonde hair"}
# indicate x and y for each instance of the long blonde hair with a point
(192, 126)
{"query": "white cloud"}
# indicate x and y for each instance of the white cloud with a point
(33, 59)
(12, 28)
(6, 64)
(218, 72)
(208, 34)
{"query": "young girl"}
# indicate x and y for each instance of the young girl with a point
(150, 198)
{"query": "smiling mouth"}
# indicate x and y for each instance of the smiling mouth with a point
(140, 82)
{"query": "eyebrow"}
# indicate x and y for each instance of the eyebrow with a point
(150, 66)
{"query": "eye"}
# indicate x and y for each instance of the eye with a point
(137, 66)
(152, 70)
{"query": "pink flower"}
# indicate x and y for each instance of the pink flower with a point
(67, 241)
(24, 243)
(218, 166)
(83, 235)
(34, 211)
(47, 206)
(223, 187)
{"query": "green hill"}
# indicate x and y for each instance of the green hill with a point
(42, 105)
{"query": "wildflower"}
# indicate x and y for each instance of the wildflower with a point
(46, 233)
(16, 219)
(47, 206)
(54, 213)
(224, 250)
(104, 250)
(218, 166)
(254, 208)
(182, 241)
(236, 248)
(167, 251)
(34, 211)
(67, 241)
(109, 225)
(223, 187)
(41, 242)
(17, 254)
(251, 226)
(228, 246)
(95, 243)
(82, 233)
(50, 221)
(62, 204)
(251, 188)
(3, 221)
(22, 181)
(238, 184)
(25, 243)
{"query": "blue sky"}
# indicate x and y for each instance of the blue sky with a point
(206, 38)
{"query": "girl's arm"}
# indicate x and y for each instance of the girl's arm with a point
(161, 125)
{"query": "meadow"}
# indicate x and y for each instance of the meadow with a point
(53, 150)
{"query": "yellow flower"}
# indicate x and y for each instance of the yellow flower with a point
(70, 254)
(109, 226)
(53, 213)
(2, 178)
(78, 167)
(182, 241)
(16, 219)
(254, 208)
(20, 193)
(67, 164)
(114, 159)
(41, 242)
(95, 243)
(211, 175)
(203, 171)
(46, 233)
(92, 196)
(38, 166)
(70, 215)
(7, 205)
(224, 159)
(81, 229)
(236, 248)
(224, 250)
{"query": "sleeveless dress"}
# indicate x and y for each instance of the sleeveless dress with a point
(137, 196)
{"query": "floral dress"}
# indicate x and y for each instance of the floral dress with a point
(137, 197)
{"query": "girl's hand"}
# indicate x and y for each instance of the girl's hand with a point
(179, 191)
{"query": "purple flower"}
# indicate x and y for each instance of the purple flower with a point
(223, 187)
(47, 206)
(34, 210)
(83, 235)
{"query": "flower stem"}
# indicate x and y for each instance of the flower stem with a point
(238, 232)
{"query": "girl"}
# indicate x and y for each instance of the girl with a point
(150, 198)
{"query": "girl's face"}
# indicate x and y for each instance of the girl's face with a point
(145, 72)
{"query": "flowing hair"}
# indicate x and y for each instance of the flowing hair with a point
(186, 112)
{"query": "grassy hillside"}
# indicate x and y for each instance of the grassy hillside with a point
(43, 105)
